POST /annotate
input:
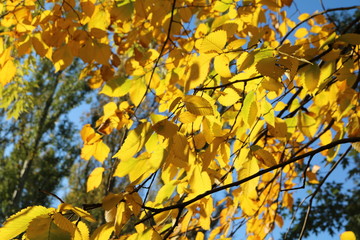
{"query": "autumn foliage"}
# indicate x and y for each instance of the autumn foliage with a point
(228, 104)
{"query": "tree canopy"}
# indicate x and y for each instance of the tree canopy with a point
(219, 109)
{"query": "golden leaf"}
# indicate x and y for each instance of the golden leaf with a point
(200, 181)
(7, 72)
(187, 117)
(62, 57)
(249, 168)
(311, 77)
(95, 178)
(351, 38)
(270, 67)
(301, 32)
(266, 157)
(249, 110)
(165, 192)
(116, 87)
(83, 214)
(120, 217)
(63, 223)
(100, 19)
(222, 66)
(198, 105)
(214, 42)
(134, 142)
(20, 221)
(103, 232)
(111, 200)
(165, 128)
(43, 227)
(82, 231)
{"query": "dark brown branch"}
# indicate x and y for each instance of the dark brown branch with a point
(52, 194)
(228, 84)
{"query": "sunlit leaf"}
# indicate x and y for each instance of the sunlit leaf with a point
(214, 42)
(94, 179)
(20, 221)
(198, 105)
(103, 232)
(134, 142)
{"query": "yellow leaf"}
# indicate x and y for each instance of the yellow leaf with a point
(19, 222)
(187, 117)
(116, 87)
(7, 72)
(136, 168)
(101, 151)
(348, 235)
(222, 66)
(200, 181)
(222, 6)
(62, 57)
(311, 77)
(249, 110)
(214, 42)
(137, 90)
(94, 179)
(166, 191)
(301, 32)
(268, 112)
(249, 168)
(82, 231)
(120, 216)
(197, 71)
(279, 130)
(64, 207)
(111, 200)
(39, 46)
(266, 157)
(245, 61)
(229, 96)
(64, 224)
(307, 125)
(351, 38)
(165, 128)
(198, 105)
(103, 232)
(43, 227)
(100, 19)
(134, 142)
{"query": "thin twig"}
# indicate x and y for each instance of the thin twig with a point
(318, 189)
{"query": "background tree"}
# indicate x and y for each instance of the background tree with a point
(231, 104)
(38, 148)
